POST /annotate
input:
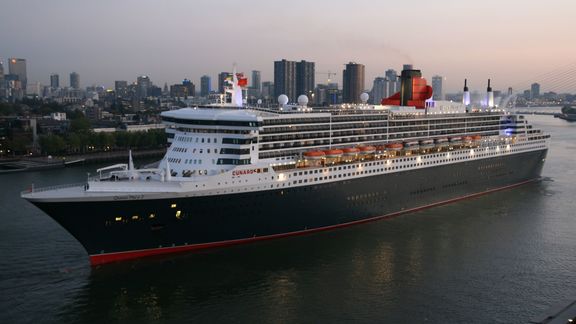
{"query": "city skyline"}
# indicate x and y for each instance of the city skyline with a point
(508, 42)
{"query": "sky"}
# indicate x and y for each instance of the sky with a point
(513, 42)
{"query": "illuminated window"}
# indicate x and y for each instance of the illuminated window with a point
(118, 219)
(135, 217)
(179, 214)
(152, 216)
(173, 206)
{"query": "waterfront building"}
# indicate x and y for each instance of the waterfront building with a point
(205, 85)
(184, 90)
(353, 82)
(17, 67)
(437, 88)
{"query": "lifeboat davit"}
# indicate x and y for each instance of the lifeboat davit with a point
(350, 151)
(333, 153)
(367, 149)
(314, 155)
(395, 146)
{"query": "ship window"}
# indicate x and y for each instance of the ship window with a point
(152, 216)
(202, 139)
(135, 217)
(118, 219)
(179, 214)
(173, 206)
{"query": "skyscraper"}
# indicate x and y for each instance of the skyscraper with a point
(222, 81)
(257, 82)
(353, 82)
(393, 83)
(121, 88)
(2, 80)
(437, 88)
(305, 74)
(379, 90)
(143, 83)
(17, 66)
(54, 81)
(285, 79)
(74, 80)
(535, 90)
(205, 85)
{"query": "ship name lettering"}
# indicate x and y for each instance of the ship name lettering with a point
(243, 172)
(129, 197)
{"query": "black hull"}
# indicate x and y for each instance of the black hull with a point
(235, 218)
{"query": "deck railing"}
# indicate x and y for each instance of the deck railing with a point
(48, 188)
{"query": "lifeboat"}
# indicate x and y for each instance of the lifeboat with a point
(314, 155)
(468, 139)
(395, 146)
(441, 141)
(350, 151)
(456, 140)
(411, 145)
(427, 144)
(476, 137)
(333, 153)
(367, 149)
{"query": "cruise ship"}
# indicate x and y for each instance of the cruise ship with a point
(236, 174)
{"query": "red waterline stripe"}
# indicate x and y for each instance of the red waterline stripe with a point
(119, 256)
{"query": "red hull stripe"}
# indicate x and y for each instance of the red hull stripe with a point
(119, 256)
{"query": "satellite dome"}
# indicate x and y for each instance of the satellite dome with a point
(282, 99)
(259, 101)
(302, 100)
(364, 97)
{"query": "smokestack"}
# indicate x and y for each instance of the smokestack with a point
(406, 83)
(490, 96)
(466, 94)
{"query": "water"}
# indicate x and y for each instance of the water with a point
(501, 258)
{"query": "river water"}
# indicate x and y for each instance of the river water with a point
(501, 258)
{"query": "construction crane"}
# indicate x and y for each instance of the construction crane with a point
(329, 74)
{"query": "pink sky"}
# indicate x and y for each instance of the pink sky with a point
(510, 42)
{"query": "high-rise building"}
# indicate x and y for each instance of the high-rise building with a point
(393, 82)
(2, 80)
(305, 74)
(205, 86)
(74, 80)
(535, 90)
(285, 79)
(379, 90)
(510, 91)
(143, 83)
(54, 81)
(222, 81)
(183, 90)
(257, 82)
(17, 67)
(437, 93)
(353, 82)
(267, 90)
(121, 88)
